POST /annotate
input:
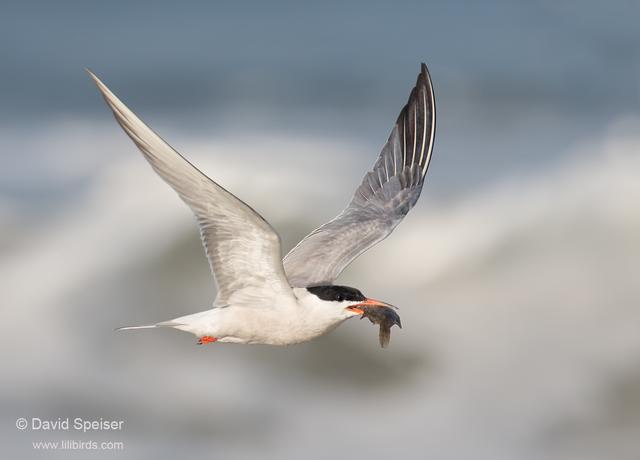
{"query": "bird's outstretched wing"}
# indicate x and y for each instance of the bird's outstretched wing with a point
(242, 248)
(384, 197)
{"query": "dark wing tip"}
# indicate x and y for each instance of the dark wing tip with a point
(424, 73)
(416, 123)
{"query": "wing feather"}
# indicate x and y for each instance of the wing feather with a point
(380, 202)
(242, 248)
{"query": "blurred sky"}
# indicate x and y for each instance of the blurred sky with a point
(549, 73)
(516, 272)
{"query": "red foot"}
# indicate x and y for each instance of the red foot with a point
(207, 339)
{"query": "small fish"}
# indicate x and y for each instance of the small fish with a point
(386, 317)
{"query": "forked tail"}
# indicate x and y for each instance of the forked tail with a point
(149, 326)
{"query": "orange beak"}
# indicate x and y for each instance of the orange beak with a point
(369, 303)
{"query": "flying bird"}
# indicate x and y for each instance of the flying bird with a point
(261, 298)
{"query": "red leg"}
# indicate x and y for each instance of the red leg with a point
(206, 339)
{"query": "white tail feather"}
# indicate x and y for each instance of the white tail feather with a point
(128, 328)
(150, 326)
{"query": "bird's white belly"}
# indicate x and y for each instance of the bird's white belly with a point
(277, 329)
(264, 325)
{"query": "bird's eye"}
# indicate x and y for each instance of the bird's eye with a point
(339, 298)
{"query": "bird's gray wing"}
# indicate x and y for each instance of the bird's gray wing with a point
(242, 248)
(384, 197)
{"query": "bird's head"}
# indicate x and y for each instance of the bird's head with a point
(349, 300)
(343, 302)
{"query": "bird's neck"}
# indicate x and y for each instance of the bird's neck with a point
(318, 311)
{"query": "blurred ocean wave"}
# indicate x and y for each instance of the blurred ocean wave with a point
(519, 302)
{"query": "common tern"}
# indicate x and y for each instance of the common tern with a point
(261, 298)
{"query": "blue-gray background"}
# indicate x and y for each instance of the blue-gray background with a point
(516, 274)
